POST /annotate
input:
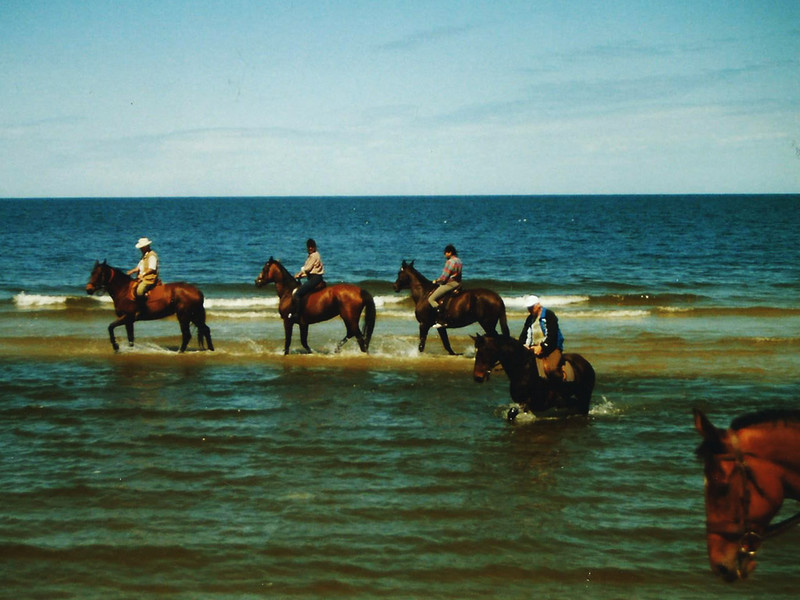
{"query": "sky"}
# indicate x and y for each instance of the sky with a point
(411, 97)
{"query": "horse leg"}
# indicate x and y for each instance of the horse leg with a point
(204, 332)
(362, 343)
(186, 333)
(304, 337)
(342, 342)
(445, 340)
(353, 330)
(114, 324)
(287, 335)
(423, 335)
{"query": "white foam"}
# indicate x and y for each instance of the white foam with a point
(241, 303)
(519, 301)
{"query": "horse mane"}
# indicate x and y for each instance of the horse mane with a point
(117, 270)
(714, 447)
(281, 267)
(769, 415)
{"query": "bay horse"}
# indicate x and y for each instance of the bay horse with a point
(750, 468)
(462, 307)
(181, 299)
(344, 300)
(528, 389)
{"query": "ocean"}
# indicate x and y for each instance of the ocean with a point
(244, 473)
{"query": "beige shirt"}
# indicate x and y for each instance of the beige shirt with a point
(148, 263)
(313, 265)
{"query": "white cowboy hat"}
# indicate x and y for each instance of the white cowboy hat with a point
(143, 242)
(531, 300)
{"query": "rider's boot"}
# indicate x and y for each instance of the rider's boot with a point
(294, 316)
(141, 305)
(440, 317)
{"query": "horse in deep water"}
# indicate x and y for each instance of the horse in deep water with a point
(749, 469)
(527, 387)
(462, 307)
(344, 300)
(183, 300)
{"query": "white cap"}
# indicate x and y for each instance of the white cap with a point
(531, 300)
(143, 242)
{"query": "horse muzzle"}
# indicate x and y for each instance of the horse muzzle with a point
(734, 561)
(90, 289)
(480, 377)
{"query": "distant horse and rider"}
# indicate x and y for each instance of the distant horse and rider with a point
(750, 468)
(460, 308)
(529, 384)
(181, 299)
(325, 302)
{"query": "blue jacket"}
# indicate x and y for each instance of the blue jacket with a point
(548, 322)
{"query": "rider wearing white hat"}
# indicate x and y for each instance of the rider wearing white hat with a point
(146, 271)
(542, 335)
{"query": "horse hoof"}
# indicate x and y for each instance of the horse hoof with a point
(512, 413)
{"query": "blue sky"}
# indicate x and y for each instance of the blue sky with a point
(240, 97)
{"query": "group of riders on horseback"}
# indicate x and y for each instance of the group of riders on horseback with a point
(536, 359)
(541, 333)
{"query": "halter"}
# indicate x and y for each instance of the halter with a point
(748, 539)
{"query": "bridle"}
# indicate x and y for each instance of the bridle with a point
(746, 534)
(105, 279)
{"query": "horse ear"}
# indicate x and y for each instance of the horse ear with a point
(105, 261)
(704, 427)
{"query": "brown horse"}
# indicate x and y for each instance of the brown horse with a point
(180, 299)
(749, 470)
(527, 388)
(462, 307)
(343, 299)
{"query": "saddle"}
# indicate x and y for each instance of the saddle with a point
(445, 300)
(566, 367)
(156, 292)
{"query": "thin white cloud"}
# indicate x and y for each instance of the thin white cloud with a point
(421, 38)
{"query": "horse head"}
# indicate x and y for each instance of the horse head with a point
(403, 281)
(486, 356)
(98, 277)
(742, 494)
(268, 273)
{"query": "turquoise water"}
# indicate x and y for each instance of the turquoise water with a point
(246, 474)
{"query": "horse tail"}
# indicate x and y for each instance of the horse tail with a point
(194, 296)
(369, 316)
(203, 330)
(503, 318)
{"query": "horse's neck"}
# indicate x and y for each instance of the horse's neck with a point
(286, 283)
(514, 359)
(420, 286)
(117, 280)
(778, 445)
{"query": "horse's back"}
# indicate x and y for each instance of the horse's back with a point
(583, 368)
(183, 291)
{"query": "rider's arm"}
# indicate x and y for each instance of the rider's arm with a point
(550, 330)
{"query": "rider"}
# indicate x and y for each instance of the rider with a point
(542, 336)
(146, 272)
(448, 281)
(313, 270)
